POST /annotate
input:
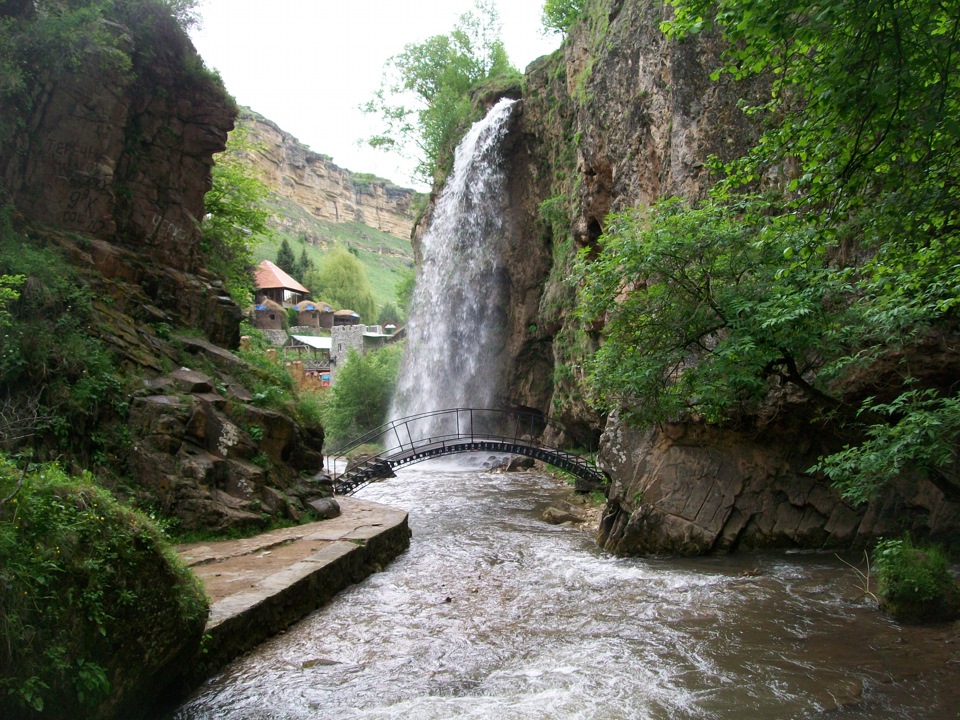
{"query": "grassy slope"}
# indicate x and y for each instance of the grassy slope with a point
(382, 255)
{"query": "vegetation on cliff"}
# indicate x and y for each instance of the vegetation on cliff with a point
(236, 218)
(61, 387)
(823, 259)
(440, 73)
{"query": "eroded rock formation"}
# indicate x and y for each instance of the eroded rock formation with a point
(326, 191)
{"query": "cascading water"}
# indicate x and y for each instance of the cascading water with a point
(456, 326)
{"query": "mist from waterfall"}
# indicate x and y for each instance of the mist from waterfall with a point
(456, 328)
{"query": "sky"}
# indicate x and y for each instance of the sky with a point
(308, 65)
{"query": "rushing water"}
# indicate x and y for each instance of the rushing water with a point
(493, 613)
(456, 323)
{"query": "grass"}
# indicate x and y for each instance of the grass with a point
(383, 256)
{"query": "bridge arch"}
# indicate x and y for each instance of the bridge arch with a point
(420, 437)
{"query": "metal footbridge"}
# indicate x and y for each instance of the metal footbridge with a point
(433, 434)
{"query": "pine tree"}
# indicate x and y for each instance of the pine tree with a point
(285, 258)
(302, 266)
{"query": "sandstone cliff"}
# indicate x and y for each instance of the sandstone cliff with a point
(326, 191)
(622, 116)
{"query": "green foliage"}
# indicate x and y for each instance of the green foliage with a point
(560, 15)
(700, 313)
(342, 281)
(439, 74)
(360, 398)
(914, 583)
(302, 266)
(54, 37)
(286, 260)
(390, 313)
(9, 293)
(405, 287)
(850, 259)
(265, 374)
(58, 380)
(917, 431)
(236, 218)
(83, 583)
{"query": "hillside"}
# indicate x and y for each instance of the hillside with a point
(317, 205)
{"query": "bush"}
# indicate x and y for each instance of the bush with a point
(914, 583)
(51, 361)
(93, 605)
(360, 398)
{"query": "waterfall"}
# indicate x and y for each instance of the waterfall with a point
(455, 332)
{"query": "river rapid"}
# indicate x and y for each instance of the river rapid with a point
(493, 613)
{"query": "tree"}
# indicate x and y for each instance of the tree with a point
(857, 234)
(438, 75)
(342, 281)
(360, 398)
(236, 217)
(404, 288)
(302, 266)
(560, 15)
(286, 260)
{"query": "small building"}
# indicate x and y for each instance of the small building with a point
(268, 315)
(314, 314)
(362, 338)
(312, 350)
(275, 284)
(345, 317)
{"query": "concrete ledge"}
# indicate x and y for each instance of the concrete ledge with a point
(258, 586)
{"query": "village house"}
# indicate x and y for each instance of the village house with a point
(274, 283)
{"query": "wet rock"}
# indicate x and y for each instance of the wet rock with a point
(190, 381)
(514, 463)
(558, 516)
(325, 508)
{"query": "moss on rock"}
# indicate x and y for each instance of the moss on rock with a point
(97, 613)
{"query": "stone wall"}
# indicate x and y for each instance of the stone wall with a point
(343, 338)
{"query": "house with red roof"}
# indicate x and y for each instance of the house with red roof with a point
(275, 284)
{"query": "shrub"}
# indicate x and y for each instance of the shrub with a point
(93, 605)
(914, 583)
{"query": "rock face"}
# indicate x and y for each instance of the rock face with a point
(619, 117)
(326, 191)
(111, 165)
(123, 155)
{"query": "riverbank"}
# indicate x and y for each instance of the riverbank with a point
(258, 586)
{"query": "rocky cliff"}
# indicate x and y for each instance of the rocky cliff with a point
(324, 190)
(619, 117)
(107, 163)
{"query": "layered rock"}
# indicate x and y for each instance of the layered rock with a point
(323, 189)
(123, 155)
(622, 117)
(111, 164)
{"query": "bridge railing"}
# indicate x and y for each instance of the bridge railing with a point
(408, 434)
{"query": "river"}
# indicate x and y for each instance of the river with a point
(493, 613)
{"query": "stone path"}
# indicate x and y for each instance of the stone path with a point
(260, 585)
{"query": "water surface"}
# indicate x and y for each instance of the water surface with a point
(493, 613)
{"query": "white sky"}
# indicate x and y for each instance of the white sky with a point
(308, 64)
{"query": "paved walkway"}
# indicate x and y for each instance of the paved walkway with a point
(260, 585)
